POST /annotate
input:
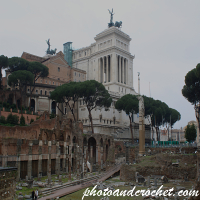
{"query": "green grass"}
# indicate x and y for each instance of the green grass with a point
(27, 191)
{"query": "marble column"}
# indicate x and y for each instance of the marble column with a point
(141, 127)
(107, 69)
(57, 158)
(40, 159)
(126, 71)
(49, 162)
(101, 157)
(120, 69)
(122, 77)
(103, 70)
(99, 70)
(30, 161)
(64, 157)
(18, 168)
(67, 159)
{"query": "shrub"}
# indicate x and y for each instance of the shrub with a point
(12, 119)
(2, 120)
(22, 121)
(52, 115)
(32, 120)
(13, 106)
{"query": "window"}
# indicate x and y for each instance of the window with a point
(45, 92)
(58, 78)
(49, 82)
(28, 90)
(65, 110)
(36, 91)
(75, 73)
(79, 75)
(58, 69)
(53, 83)
(41, 92)
(80, 102)
(46, 81)
(85, 53)
(41, 80)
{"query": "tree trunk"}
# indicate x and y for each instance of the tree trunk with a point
(90, 116)
(157, 132)
(131, 130)
(60, 110)
(30, 99)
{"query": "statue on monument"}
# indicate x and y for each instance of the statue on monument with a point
(117, 24)
(111, 18)
(48, 51)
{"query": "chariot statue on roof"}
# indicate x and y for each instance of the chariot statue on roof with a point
(117, 24)
(48, 51)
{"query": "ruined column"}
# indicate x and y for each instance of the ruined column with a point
(85, 159)
(70, 161)
(29, 170)
(67, 158)
(99, 154)
(49, 162)
(64, 158)
(18, 168)
(101, 157)
(40, 159)
(57, 158)
(141, 127)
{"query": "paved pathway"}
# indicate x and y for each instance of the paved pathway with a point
(71, 189)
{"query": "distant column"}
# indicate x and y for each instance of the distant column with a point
(124, 70)
(122, 61)
(120, 69)
(107, 69)
(99, 70)
(127, 71)
(103, 63)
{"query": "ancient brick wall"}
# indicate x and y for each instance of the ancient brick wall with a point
(7, 183)
(27, 117)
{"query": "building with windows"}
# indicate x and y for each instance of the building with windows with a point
(110, 62)
(59, 73)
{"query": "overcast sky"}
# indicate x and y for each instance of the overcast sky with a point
(165, 37)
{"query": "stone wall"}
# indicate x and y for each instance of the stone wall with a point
(127, 173)
(7, 183)
(53, 146)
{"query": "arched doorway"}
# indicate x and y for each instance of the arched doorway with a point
(92, 150)
(53, 107)
(32, 105)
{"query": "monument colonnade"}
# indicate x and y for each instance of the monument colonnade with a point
(113, 68)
